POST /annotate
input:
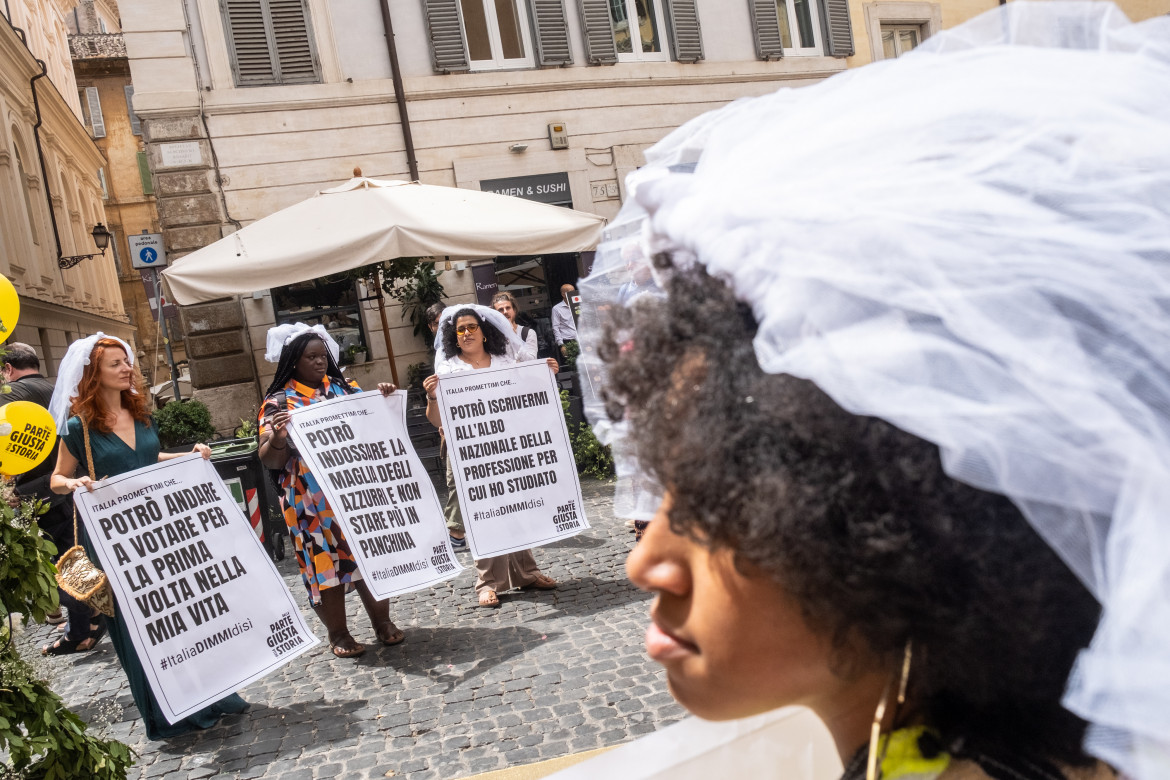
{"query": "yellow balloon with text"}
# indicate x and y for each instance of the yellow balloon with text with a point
(27, 436)
(9, 308)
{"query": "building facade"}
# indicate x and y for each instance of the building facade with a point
(249, 106)
(106, 95)
(50, 189)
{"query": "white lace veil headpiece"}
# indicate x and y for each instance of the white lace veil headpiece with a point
(281, 335)
(972, 242)
(69, 375)
(487, 314)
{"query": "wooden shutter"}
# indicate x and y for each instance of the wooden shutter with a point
(552, 33)
(135, 122)
(598, 28)
(685, 36)
(837, 28)
(97, 125)
(144, 174)
(766, 29)
(271, 42)
(296, 60)
(445, 29)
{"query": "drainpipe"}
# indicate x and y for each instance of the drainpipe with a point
(41, 152)
(399, 94)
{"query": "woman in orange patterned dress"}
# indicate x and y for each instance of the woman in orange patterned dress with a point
(307, 373)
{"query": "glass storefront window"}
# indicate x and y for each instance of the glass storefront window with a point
(330, 302)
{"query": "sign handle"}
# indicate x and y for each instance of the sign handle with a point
(162, 323)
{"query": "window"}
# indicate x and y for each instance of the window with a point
(496, 32)
(29, 213)
(798, 26)
(102, 181)
(323, 301)
(637, 30)
(897, 39)
(91, 111)
(270, 42)
(641, 30)
(135, 122)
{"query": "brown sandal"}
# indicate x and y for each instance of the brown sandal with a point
(352, 652)
(389, 629)
(488, 598)
(542, 582)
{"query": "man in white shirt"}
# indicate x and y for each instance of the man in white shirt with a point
(563, 325)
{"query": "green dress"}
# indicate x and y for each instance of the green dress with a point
(112, 456)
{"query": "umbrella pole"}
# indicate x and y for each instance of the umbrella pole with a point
(386, 330)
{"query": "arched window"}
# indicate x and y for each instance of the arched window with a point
(22, 180)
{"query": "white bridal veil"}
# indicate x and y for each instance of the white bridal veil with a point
(973, 243)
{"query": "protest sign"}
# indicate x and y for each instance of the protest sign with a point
(513, 461)
(360, 456)
(205, 608)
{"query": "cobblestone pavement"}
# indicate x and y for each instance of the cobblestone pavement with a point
(470, 690)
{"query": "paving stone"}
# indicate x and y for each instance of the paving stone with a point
(471, 690)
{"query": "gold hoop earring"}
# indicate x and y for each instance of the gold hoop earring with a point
(875, 731)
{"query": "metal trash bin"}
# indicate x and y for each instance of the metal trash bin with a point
(238, 463)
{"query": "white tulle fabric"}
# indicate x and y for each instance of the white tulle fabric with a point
(973, 243)
(281, 335)
(488, 315)
(69, 376)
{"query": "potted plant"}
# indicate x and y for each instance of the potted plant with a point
(183, 423)
(355, 354)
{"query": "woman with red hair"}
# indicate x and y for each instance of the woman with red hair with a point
(98, 397)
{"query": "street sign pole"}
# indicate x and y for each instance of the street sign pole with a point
(162, 323)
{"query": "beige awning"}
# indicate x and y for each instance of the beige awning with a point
(368, 220)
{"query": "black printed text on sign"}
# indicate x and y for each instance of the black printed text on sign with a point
(207, 611)
(513, 462)
(359, 454)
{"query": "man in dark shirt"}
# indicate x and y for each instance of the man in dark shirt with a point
(22, 372)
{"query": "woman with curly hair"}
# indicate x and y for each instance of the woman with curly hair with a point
(472, 337)
(307, 373)
(99, 403)
(904, 392)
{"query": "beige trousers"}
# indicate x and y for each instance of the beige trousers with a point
(504, 572)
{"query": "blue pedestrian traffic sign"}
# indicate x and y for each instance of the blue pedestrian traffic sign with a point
(146, 251)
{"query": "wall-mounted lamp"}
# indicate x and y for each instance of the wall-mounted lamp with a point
(517, 148)
(101, 239)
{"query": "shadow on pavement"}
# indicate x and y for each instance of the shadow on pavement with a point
(580, 596)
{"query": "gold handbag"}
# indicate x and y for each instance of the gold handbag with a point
(77, 575)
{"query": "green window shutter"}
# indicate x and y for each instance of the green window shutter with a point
(686, 38)
(552, 33)
(598, 29)
(144, 173)
(837, 28)
(445, 31)
(766, 29)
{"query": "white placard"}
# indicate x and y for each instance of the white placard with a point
(180, 154)
(359, 452)
(205, 608)
(513, 461)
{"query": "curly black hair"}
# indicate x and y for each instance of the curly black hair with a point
(496, 343)
(856, 520)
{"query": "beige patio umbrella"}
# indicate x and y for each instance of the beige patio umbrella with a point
(370, 220)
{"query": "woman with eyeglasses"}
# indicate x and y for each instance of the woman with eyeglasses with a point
(471, 338)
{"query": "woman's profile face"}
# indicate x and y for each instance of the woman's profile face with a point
(733, 645)
(116, 371)
(313, 363)
(505, 307)
(469, 335)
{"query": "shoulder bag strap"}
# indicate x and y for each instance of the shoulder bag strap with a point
(89, 464)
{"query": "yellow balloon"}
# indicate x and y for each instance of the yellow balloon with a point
(27, 435)
(9, 308)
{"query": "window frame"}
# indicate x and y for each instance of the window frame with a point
(897, 27)
(818, 47)
(664, 43)
(498, 61)
(924, 15)
(312, 315)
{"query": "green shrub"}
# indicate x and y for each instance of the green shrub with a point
(39, 736)
(184, 422)
(572, 350)
(593, 459)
